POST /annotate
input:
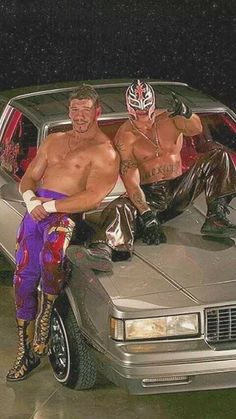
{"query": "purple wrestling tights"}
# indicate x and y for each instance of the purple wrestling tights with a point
(40, 251)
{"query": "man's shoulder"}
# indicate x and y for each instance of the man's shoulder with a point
(105, 156)
(106, 148)
(163, 117)
(102, 143)
(56, 136)
(126, 126)
(125, 131)
(101, 140)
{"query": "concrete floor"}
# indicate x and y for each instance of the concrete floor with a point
(41, 397)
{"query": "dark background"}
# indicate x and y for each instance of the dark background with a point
(57, 40)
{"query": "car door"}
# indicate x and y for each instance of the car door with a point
(18, 146)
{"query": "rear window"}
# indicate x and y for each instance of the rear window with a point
(18, 144)
(109, 127)
(217, 127)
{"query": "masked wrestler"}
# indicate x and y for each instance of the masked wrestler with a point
(149, 144)
(72, 172)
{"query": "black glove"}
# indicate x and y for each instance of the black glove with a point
(180, 108)
(151, 230)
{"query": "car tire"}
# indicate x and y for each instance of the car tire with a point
(71, 361)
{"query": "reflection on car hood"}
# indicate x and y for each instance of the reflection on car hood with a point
(186, 271)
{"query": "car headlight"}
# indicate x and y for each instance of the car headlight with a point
(155, 327)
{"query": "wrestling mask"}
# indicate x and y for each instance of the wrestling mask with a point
(140, 96)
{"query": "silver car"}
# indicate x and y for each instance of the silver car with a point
(164, 321)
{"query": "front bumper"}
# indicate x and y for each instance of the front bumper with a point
(153, 373)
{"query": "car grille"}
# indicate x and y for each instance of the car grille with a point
(221, 324)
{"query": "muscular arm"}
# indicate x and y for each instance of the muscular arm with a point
(31, 178)
(191, 126)
(35, 170)
(101, 180)
(130, 172)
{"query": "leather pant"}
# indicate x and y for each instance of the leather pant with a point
(213, 173)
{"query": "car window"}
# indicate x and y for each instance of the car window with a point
(217, 127)
(110, 127)
(220, 128)
(59, 128)
(2, 105)
(18, 144)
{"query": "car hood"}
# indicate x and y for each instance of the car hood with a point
(186, 271)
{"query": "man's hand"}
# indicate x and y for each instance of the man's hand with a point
(180, 108)
(38, 213)
(152, 232)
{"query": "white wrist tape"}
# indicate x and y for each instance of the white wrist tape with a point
(28, 195)
(30, 205)
(50, 206)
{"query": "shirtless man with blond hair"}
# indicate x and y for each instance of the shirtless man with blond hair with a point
(72, 173)
(149, 144)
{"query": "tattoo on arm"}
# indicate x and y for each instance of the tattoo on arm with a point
(139, 200)
(120, 146)
(126, 165)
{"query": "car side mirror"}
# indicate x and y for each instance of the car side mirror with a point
(10, 192)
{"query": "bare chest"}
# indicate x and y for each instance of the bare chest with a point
(167, 142)
(159, 158)
(71, 157)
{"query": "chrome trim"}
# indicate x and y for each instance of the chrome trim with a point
(59, 339)
(12, 206)
(65, 122)
(220, 324)
(125, 115)
(105, 117)
(8, 254)
(214, 110)
(8, 110)
(157, 382)
(231, 113)
(44, 132)
(113, 116)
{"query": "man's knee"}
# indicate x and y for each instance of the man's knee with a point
(26, 299)
(120, 209)
(120, 203)
(217, 158)
(218, 153)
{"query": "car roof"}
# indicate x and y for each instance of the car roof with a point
(50, 103)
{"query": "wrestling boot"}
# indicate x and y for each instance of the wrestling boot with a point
(97, 256)
(217, 224)
(25, 360)
(42, 326)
